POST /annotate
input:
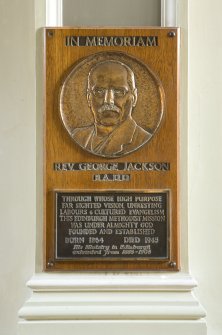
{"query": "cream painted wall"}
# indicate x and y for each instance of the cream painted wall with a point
(18, 155)
(205, 155)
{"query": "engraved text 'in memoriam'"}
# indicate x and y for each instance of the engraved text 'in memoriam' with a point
(114, 41)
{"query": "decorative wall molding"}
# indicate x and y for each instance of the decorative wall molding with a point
(110, 327)
(107, 296)
(168, 13)
(111, 282)
(54, 13)
(61, 301)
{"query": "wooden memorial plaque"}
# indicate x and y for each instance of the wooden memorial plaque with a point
(111, 149)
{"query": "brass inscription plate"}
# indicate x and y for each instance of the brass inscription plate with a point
(111, 149)
(112, 225)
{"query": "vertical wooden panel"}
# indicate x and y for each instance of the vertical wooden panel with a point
(155, 67)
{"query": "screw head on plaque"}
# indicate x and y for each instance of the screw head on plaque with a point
(111, 149)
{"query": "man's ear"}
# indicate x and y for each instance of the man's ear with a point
(88, 95)
(134, 97)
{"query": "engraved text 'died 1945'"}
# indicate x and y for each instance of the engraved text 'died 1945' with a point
(111, 104)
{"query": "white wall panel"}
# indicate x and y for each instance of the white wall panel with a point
(17, 154)
(205, 155)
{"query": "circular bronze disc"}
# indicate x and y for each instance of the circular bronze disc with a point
(78, 118)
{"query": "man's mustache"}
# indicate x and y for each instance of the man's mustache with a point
(108, 107)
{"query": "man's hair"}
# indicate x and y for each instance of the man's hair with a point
(130, 74)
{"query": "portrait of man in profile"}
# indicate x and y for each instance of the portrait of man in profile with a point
(111, 96)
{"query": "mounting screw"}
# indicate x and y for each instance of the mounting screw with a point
(172, 264)
(50, 33)
(171, 34)
(50, 263)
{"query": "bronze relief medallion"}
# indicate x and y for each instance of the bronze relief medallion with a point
(111, 104)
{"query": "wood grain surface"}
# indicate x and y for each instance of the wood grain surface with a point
(59, 146)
